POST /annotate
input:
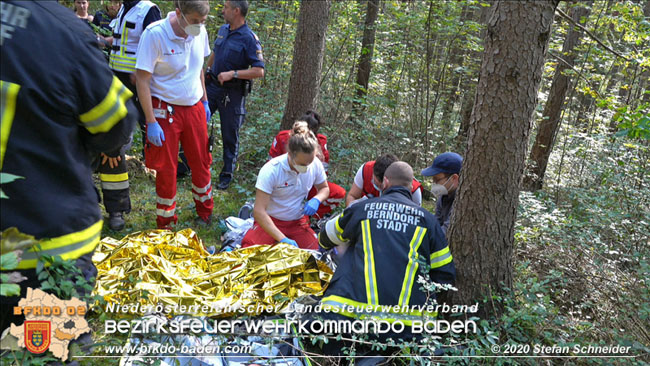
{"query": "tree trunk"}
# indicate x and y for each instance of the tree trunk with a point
(365, 58)
(470, 92)
(481, 234)
(308, 51)
(550, 123)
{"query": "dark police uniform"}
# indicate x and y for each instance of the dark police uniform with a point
(233, 50)
(54, 120)
(389, 238)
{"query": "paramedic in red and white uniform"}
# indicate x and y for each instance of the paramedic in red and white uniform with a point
(280, 212)
(368, 181)
(171, 90)
(279, 147)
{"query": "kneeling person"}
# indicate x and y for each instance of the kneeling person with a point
(282, 186)
(379, 263)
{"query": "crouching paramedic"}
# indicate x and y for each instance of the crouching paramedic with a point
(382, 243)
(368, 180)
(279, 147)
(53, 123)
(282, 187)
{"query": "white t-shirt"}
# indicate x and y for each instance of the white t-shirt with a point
(287, 188)
(358, 180)
(175, 62)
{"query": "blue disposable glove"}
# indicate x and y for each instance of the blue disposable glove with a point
(206, 105)
(289, 241)
(155, 134)
(311, 207)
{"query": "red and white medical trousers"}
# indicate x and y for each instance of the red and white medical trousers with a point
(187, 125)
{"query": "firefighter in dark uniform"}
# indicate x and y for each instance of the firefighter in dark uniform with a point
(235, 50)
(382, 243)
(53, 124)
(131, 20)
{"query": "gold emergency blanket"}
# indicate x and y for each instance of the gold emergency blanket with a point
(162, 267)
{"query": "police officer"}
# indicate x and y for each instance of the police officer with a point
(131, 20)
(382, 242)
(235, 50)
(53, 123)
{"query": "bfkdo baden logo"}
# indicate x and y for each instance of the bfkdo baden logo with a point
(50, 323)
(37, 335)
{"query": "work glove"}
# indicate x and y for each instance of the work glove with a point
(206, 105)
(155, 134)
(289, 241)
(311, 207)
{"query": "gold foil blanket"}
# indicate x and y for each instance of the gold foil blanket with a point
(160, 267)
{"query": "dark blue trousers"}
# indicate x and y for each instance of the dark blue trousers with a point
(231, 106)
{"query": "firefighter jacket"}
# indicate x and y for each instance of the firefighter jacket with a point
(54, 120)
(390, 242)
(126, 35)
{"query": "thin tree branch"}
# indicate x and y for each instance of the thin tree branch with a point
(568, 18)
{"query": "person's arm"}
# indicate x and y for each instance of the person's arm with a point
(262, 218)
(248, 74)
(442, 262)
(323, 191)
(205, 93)
(210, 60)
(143, 82)
(417, 196)
(354, 194)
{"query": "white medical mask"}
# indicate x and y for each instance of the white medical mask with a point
(301, 168)
(377, 188)
(192, 29)
(440, 189)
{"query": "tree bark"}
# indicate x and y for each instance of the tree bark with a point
(481, 234)
(365, 58)
(308, 51)
(550, 122)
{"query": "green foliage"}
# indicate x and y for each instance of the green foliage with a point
(633, 124)
(7, 178)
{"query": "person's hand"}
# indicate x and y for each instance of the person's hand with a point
(289, 241)
(112, 162)
(206, 105)
(155, 134)
(225, 76)
(311, 207)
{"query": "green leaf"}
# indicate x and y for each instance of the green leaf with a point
(8, 178)
(9, 289)
(10, 260)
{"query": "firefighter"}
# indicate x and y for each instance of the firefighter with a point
(279, 147)
(131, 20)
(53, 124)
(382, 243)
(171, 90)
(367, 181)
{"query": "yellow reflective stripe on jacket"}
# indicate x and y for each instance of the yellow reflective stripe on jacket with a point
(68, 247)
(412, 267)
(110, 111)
(122, 63)
(369, 264)
(350, 308)
(441, 257)
(104, 177)
(7, 112)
